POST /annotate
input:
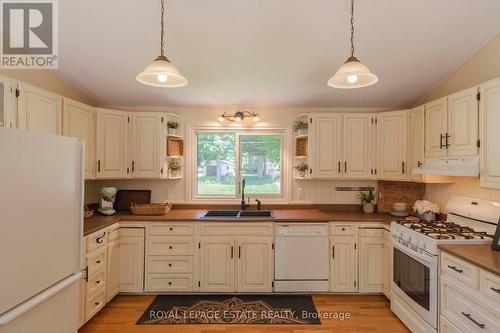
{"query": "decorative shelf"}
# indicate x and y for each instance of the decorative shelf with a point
(300, 157)
(174, 136)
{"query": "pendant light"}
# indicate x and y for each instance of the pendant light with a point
(353, 73)
(161, 72)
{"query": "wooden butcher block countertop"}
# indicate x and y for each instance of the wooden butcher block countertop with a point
(96, 223)
(482, 256)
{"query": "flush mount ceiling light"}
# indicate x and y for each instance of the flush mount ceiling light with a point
(239, 116)
(161, 72)
(353, 73)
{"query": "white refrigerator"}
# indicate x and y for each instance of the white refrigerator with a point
(41, 226)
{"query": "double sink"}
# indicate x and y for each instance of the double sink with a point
(238, 213)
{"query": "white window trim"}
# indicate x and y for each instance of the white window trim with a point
(192, 176)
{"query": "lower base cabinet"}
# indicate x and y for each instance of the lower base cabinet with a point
(371, 260)
(344, 266)
(131, 260)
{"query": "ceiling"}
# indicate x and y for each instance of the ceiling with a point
(269, 52)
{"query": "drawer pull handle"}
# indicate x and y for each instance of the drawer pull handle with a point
(169, 265)
(468, 316)
(98, 262)
(97, 282)
(171, 229)
(496, 290)
(99, 240)
(169, 283)
(170, 247)
(97, 303)
(343, 229)
(456, 269)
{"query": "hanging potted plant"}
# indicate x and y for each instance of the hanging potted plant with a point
(367, 199)
(172, 127)
(300, 127)
(302, 168)
(174, 168)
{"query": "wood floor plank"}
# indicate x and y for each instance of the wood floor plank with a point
(368, 314)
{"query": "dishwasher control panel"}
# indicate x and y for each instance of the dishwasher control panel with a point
(302, 229)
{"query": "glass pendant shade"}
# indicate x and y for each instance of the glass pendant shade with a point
(161, 73)
(352, 74)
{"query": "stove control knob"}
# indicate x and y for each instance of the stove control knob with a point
(423, 246)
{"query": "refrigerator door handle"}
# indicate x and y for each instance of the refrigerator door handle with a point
(24, 307)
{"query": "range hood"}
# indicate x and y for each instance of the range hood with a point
(458, 166)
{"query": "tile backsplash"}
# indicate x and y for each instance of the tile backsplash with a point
(390, 192)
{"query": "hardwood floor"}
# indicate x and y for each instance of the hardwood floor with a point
(368, 314)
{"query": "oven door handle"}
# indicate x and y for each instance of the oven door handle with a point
(427, 259)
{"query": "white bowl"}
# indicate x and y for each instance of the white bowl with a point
(400, 207)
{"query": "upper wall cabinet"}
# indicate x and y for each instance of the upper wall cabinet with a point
(79, 122)
(112, 129)
(392, 142)
(357, 145)
(39, 110)
(8, 103)
(451, 125)
(325, 145)
(147, 134)
(416, 129)
(489, 107)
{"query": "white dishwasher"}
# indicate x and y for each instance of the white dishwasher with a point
(302, 260)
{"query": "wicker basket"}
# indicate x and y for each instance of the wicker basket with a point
(151, 209)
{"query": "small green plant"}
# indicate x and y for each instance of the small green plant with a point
(302, 167)
(174, 165)
(172, 124)
(300, 124)
(367, 196)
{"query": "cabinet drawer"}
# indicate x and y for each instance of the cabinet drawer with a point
(95, 282)
(372, 232)
(459, 269)
(171, 229)
(237, 229)
(342, 230)
(95, 241)
(169, 264)
(169, 282)
(463, 308)
(96, 261)
(489, 286)
(113, 235)
(446, 327)
(172, 246)
(94, 304)
(131, 232)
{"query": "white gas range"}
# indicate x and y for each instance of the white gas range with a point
(415, 256)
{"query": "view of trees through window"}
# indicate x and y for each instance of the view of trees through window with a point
(259, 163)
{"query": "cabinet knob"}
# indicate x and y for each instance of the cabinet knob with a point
(97, 282)
(170, 247)
(98, 262)
(97, 303)
(169, 283)
(170, 265)
(343, 229)
(171, 229)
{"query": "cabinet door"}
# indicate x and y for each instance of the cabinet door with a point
(146, 135)
(371, 264)
(357, 146)
(112, 144)
(463, 127)
(489, 107)
(436, 127)
(392, 141)
(217, 264)
(79, 122)
(417, 133)
(39, 110)
(387, 266)
(326, 143)
(344, 267)
(8, 103)
(113, 270)
(131, 259)
(255, 264)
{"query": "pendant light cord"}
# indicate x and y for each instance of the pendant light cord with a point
(352, 28)
(162, 37)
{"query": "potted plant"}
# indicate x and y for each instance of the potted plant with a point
(300, 127)
(174, 167)
(302, 168)
(367, 199)
(426, 210)
(172, 127)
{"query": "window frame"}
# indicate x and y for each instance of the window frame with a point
(238, 132)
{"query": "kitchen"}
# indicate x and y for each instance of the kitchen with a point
(174, 187)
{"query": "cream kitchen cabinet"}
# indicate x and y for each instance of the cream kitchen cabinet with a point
(39, 110)
(112, 143)
(417, 141)
(131, 272)
(325, 140)
(217, 264)
(79, 122)
(392, 143)
(357, 146)
(344, 266)
(147, 134)
(451, 125)
(8, 103)
(113, 264)
(489, 106)
(371, 259)
(254, 264)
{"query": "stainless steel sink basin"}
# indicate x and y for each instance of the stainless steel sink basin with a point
(238, 213)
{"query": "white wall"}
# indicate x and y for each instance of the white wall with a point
(300, 191)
